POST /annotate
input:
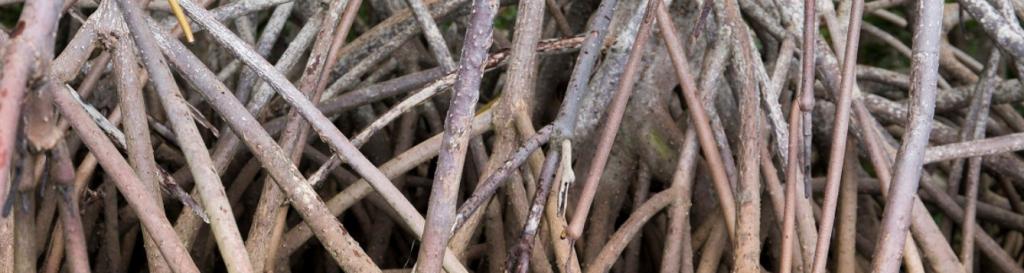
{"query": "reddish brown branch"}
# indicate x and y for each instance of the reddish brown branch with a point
(26, 61)
(611, 123)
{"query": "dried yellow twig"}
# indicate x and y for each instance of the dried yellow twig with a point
(180, 15)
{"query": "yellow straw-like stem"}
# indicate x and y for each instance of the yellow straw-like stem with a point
(185, 27)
